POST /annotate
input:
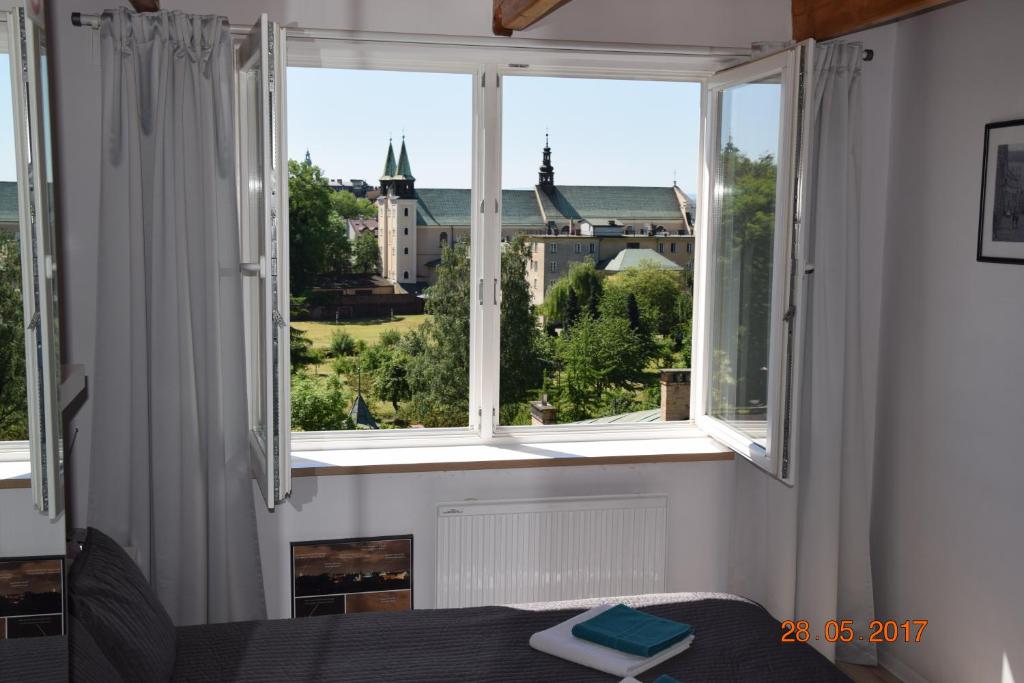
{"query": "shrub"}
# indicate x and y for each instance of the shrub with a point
(342, 344)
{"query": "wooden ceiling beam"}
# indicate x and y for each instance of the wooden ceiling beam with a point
(824, 19)
(146, 5)
(516, 15)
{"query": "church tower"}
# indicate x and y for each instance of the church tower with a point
(396, 216)
(547, 171)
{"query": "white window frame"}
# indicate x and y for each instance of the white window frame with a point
(777, 456)
(488, 62)
(23, 40)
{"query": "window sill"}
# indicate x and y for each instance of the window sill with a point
(15, 474)
(510, 456)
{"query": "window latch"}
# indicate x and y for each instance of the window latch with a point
(790, 314)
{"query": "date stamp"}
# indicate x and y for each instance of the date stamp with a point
(842, 631)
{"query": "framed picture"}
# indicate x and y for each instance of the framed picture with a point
(351, 575)
(31, 597)
(1001, 231)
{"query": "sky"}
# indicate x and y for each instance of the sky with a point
(7, 163)
(602, 132)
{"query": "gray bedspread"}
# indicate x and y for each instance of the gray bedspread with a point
(34, 660)
(736, 640)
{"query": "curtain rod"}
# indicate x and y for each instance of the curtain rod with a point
(93, 21)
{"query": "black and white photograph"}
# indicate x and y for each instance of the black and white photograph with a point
(1001, 231)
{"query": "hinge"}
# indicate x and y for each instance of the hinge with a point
(497, 80)
(483, 80)
(790, 314)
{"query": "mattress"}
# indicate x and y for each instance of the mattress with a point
(736, 640)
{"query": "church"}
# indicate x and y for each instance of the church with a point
(563, 224)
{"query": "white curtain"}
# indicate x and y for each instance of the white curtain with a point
(805, 551)
(169, 470)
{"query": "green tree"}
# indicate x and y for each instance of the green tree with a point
(522, 363)
(342, 344)
(301, 348)
(747, 217)
(584, 280)
(439, 372)
(318, 241)
(13, 391)
(656, 291)
(594, 356)
(366, 253)
(391, 379)
(347, 205)
(319, 403)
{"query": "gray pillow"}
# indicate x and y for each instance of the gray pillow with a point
(120, 610)
(88, 663)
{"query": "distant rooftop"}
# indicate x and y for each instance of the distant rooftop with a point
(8, 201)
(634, 258)
(652, 415)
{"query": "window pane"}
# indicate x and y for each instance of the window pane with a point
(596, 310)
(743, 226)
(379, 221)
(13, 392)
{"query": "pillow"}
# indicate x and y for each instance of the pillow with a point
(117, 606)
(88, 663)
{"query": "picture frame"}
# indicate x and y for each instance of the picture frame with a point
(32, 596)
(350, 575)
(1001, 224)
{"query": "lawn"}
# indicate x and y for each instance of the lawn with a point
(369, 331)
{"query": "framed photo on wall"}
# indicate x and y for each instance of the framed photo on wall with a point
(31, 597)
(1001, 230)
(352, 575)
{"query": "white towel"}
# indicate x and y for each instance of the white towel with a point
(560, 642)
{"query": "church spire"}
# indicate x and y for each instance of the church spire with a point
(389, 165)
(404, 169)
(309, 160)
(547, 171)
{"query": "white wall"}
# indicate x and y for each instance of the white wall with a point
(23, 531)
(699, 514)
(948, 522)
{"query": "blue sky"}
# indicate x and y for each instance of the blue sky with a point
(7, 163)
(603, 132)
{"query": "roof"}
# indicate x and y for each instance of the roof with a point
(360, 225)
(8, 201)
(633, 258)
(404, 169)
(389, 165)
(622, 202)
(451, 207)
(653, 415)
(361, 415)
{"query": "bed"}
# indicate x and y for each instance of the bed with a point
(116, 618)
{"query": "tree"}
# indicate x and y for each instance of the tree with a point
(439, 372)
(318, 241)
(656, 291)
(319, 403)
(596, 355)
(342, 344)
(633, 313)
(390, 380)
(13, 390)
(347, 205)
(522, 363)
(301, 348)
(572, 309)
(584, 280)
(366, 254)
(747, 214)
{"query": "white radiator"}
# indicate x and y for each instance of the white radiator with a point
(511, 551)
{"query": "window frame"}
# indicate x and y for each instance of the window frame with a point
(488, 62)
(785, 337)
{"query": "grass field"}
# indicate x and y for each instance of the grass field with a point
(369, 331)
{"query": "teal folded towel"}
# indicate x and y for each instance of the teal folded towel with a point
(665, 678)
(629, 630)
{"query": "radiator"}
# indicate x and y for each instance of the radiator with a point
(512, 551)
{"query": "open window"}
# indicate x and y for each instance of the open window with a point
(32, 249)
(749, 245)
(263, 208)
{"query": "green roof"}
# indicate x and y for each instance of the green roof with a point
(8, 201)
(389, 165)
(404, 169)
(634, 258)
(653, 415)
(623, 202)
(451, 207)
(361, 415)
